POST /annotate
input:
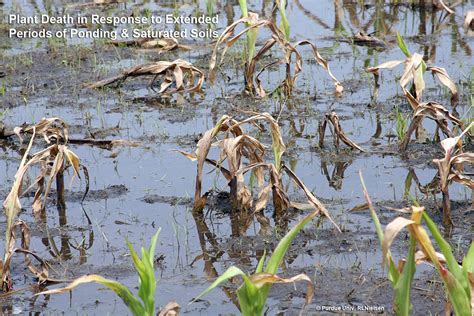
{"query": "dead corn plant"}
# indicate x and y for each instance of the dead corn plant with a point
(160, 44)
(414, 70)
(253, 84)
(338, 133)
(450, 168)
(178, 76)
(10, 249)
(52, 161)
(244, 153)
(436, 112)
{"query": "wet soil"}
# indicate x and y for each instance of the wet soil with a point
(135, 190)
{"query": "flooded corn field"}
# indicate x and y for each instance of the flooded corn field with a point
(295, 156)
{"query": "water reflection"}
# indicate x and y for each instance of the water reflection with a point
(336, 177)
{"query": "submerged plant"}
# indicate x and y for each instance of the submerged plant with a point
(253, 292)
(458, 280)
(144, 303)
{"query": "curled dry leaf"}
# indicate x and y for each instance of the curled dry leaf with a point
(338, 132)
(202, 150)
(261, 279)
(180, 73)
(42, 274)
(391, 231)
(171, 309)
(447, 172)
(52, 129)
(469, 20)
(362, 38)
(310, 196)
(444, 78)
(162, 44)
(434, 111)
(252, 22)
(442, 5)
(420, 257)
(414, 68)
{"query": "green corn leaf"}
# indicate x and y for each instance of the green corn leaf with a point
(445, 248)
(459, 300)
(146, 273)
(260, 263)
(468, 261)
(408, 181)
(127, 297)
(402, 45)
(251, 35)
(285, 24)
(403, 287)
(132, 302)
(251, 298)
(229, 273)
(393, 273)
(282, 247)
(455, 278)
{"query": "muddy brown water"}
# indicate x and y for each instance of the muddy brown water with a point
(135, 190)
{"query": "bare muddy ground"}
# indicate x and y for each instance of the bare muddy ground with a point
(135, 190)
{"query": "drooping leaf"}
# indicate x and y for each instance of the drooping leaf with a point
(228, 274)
(122, 291)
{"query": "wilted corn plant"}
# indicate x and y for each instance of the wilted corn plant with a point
(436, 112)
(235, 147)
(53, 161)
(450, 169)
(458, 280)
(338, 133)
(10, 249)
(253, 292)
(180, 74)
(144, 303)
(414, 69)
(252, 22)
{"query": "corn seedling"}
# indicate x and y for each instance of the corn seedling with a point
(338, 133)
(144, 303)
(253, 84)
(414, 69)
(253, 292)
(458, 280)
(401, 124)
(179, 73)
(235, 147)
(53, 161)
